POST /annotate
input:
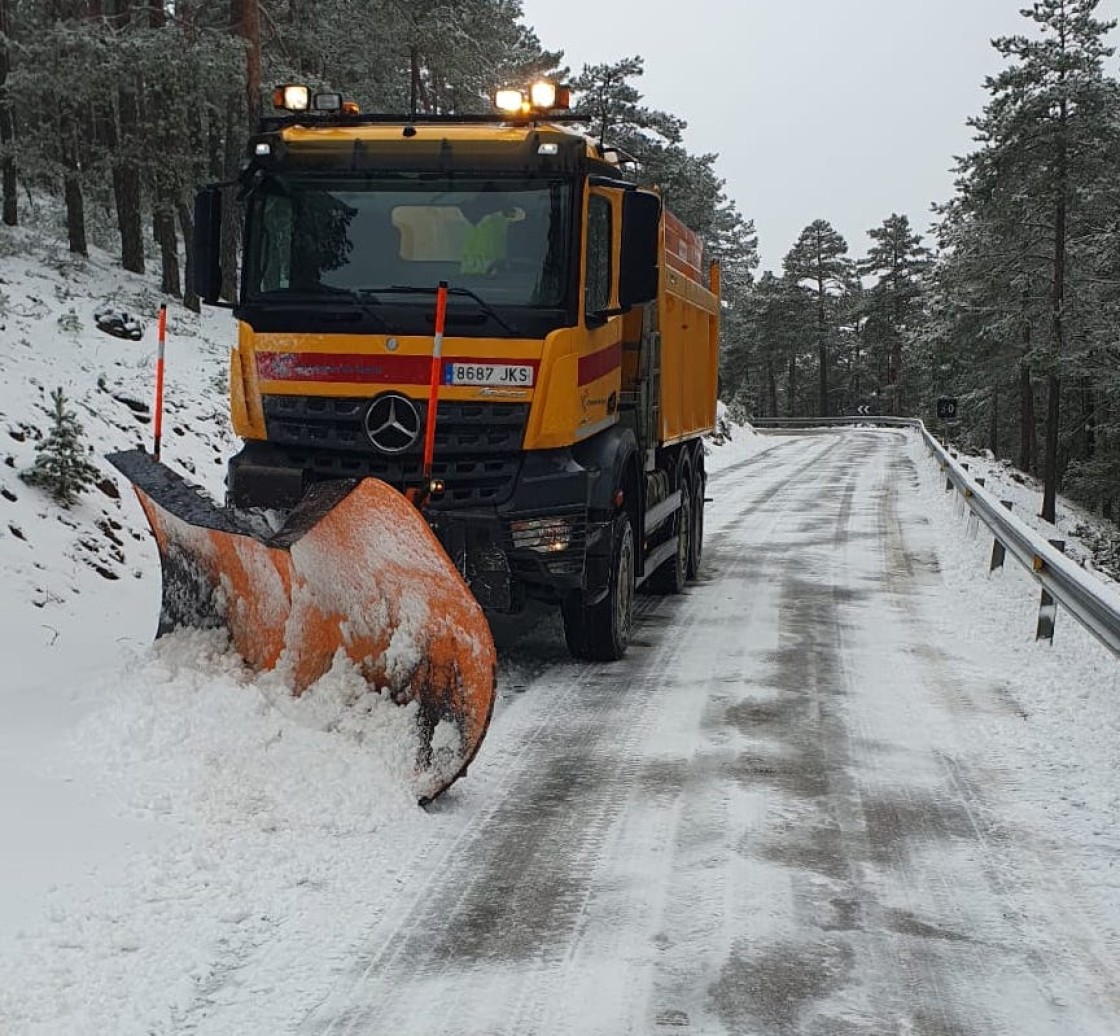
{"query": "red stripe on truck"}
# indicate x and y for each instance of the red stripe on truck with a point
(354, 367)
(598, 365)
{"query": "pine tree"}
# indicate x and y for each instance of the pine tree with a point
(1046, 136)
(611, 107)
(819, 263)
(765, 335)
(892, 305)
(61, 467)
(7, 124)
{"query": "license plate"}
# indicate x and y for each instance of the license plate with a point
(515, 375)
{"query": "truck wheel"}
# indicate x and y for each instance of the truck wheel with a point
(672, 576)
(601, 632)
(697, 548)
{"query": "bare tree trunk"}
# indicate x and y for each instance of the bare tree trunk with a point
(822, 351)
(993, 423)
(247, 19)
(300, 15)
(72, 187)
(164, 219)
(1057, 327)
(895, 376)
(1028, 439)
(791, 387)
(7, 127)
(231, 229)
(1050, 460)
(1087, 426)
(214, 151)
(75, 214)
(126, 184)
(186, 224)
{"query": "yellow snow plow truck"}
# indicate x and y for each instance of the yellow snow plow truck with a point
(474, 363)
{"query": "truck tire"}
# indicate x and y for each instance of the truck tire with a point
(672, 576)
(601, 632)
(696, 549)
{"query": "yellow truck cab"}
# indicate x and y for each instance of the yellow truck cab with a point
(579, 359)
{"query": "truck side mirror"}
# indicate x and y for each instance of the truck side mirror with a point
(208, 245)
(641, 244)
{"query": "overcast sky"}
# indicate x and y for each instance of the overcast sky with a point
(846, 110)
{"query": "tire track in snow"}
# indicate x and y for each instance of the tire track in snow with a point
(519, 900)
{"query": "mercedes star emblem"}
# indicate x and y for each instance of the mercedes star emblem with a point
(392, 423)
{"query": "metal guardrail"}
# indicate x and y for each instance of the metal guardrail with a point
(1090, 601)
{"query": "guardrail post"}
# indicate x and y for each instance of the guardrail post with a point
(999, 551)
(1047, 609)
(973, 517)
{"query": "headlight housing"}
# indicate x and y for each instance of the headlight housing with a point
(543, 535)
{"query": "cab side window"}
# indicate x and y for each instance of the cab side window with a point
(597, 287)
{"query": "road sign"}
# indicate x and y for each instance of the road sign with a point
(947, 409)
(864, 410)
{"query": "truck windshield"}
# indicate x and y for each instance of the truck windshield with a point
(504, 241)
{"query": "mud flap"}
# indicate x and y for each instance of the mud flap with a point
(355, 568)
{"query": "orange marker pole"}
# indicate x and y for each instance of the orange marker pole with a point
(433, 387)
(159, 377)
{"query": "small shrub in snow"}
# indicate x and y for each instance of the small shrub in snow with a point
(722, 432)
(69, 321)
(61, 467)
(736, 411)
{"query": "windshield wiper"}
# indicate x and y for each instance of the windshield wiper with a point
(363, 301)
(486, 308)
(483, 305)
(326, 296)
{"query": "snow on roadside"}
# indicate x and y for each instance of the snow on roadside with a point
(1091, 541)
(1064, 754)
(239, 804)
(731, 442)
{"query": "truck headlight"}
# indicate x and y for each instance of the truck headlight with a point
(543, 535)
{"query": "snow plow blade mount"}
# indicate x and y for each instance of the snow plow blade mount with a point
(356, 568)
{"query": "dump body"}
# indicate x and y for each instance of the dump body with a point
(689, 325)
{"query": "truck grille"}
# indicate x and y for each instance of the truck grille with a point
(477, 449)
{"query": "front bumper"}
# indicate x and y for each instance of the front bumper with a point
(541, 541)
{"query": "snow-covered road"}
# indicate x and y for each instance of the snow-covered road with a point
(834, 788)
(773, 817)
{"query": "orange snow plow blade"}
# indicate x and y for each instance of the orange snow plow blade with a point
(355, 568)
